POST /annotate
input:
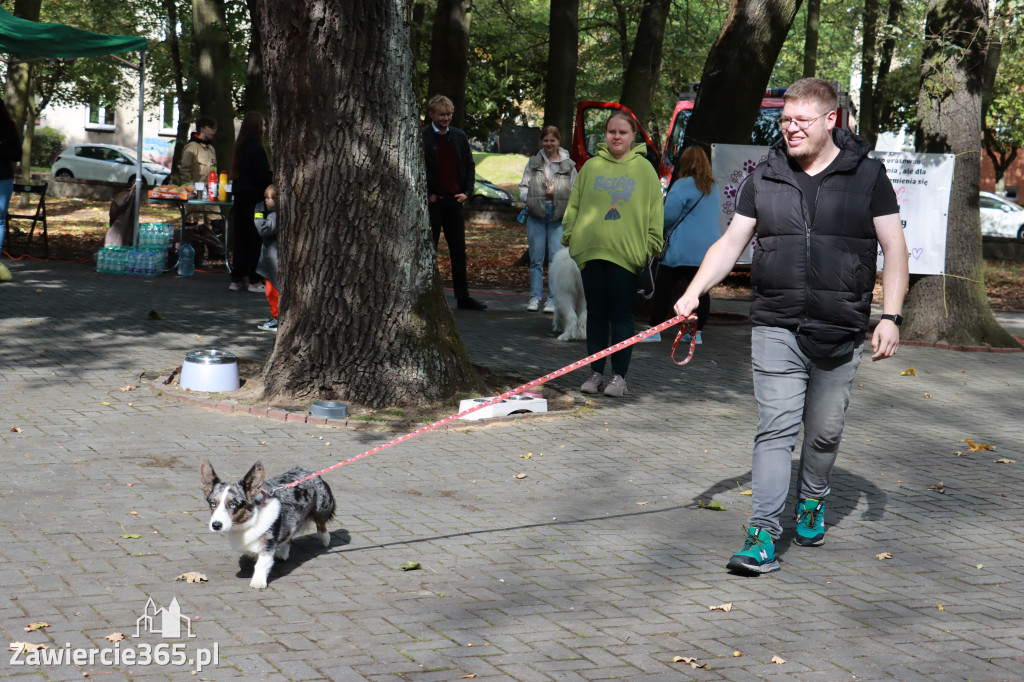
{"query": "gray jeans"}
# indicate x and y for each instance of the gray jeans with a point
(790, 388)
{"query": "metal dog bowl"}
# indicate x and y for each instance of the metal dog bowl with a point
(329, 408)
(210, 370)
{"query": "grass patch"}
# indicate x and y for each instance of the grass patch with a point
(501, 169)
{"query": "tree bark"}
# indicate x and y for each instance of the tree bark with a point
(255, 97)
(811, 34)
(449, 56)
(737, 70)
(953, 308)
(641, 77)
(213, 74)
(866, 119)
(563, 57)
(362, 314)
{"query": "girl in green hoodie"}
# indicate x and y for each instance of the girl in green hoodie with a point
(612, 226)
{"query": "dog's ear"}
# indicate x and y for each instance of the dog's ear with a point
(208, 476)
(253, 481)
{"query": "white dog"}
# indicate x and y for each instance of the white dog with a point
(566, 286)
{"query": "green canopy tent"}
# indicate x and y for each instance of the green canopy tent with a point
(25, 40)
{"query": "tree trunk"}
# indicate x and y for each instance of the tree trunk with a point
(449, 56)
(867, 127)
(737, 70)
(953, 308)
(622, 31)
(255, 97)
(213, 74)
(18, 90)
(641, 78)
(563, 56)
(811, 33)
(185, 97)
(882, 98)
(362, 314)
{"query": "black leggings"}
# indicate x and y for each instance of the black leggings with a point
(611, 292)
(247, 239)
(668, 287)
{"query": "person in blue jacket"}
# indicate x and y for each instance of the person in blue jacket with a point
(691, 227)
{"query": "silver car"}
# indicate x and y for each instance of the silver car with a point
(110, 162)
(1001, 217)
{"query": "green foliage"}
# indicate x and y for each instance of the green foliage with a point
(46, 144)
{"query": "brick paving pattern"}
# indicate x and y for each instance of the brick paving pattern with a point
(600, 564)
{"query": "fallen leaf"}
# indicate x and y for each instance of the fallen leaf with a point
(714, 505)
(469, 676)
(883, 555)
(411, 566)
(721, 607)
(778, 660)
(115, 637)
(909, 372)
(104, 403)
(940, 608)
(927, 395)
(528, 455)
(980, 566)
(643, 504)
(192, 577)
(520, 476)
(737, 654)
(962, 454)
(746, 492)
(689, 660)
(938, 487)
(15, 429)
(129, 484)
(134, 513)
(25, 646)
(129, 387)
(979, 446)
(32, 627)
(131, 536)
(1005, 461)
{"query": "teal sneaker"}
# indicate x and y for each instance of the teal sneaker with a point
(757, 555)
(810, 525)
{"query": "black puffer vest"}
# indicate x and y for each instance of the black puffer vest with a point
(822, 272)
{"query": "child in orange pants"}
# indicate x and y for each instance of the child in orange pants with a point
(266, 225)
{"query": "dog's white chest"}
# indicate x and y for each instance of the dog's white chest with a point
(250, 536)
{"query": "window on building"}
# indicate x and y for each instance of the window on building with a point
(101, 115)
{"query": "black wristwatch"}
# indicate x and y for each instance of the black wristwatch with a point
(896, 319)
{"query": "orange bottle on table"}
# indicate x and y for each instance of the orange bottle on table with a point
(222, 189)
(211, 185)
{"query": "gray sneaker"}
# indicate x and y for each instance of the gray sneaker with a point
(593, 384)
(616, 388)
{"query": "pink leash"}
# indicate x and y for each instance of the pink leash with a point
(688, 323)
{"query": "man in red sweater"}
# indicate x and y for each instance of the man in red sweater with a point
(451, 174)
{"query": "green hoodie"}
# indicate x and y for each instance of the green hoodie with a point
(615, 210)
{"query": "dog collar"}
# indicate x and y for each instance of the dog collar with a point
(261, 500)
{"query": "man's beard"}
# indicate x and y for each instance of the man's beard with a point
(805, 150)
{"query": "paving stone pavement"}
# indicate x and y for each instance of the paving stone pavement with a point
(599, 564)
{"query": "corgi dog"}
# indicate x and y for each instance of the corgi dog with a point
(260, 518)
(566, 286)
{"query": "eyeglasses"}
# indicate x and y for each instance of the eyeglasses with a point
(801, 123)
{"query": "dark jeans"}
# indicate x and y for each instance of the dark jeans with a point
(668, 287)
(247, 239)
(447, 215)
(610, 290)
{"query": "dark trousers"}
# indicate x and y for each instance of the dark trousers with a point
(610, 290)
(446, 215)
(668, 287)
(248, 242)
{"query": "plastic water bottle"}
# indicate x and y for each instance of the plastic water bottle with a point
(186, 260)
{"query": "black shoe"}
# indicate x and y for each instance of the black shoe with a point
(470, 304)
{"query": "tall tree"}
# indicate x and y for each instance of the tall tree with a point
(737, 71)
(812, 30)
(449, 55)
(953, 307)
(255, 97)
(214, 74)
(363, 317)
(563, 56)
(641, 77)
(869, 33)
(882, 96)
(184, 91)
(19, 93)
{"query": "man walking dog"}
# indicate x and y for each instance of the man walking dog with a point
(819, 208)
